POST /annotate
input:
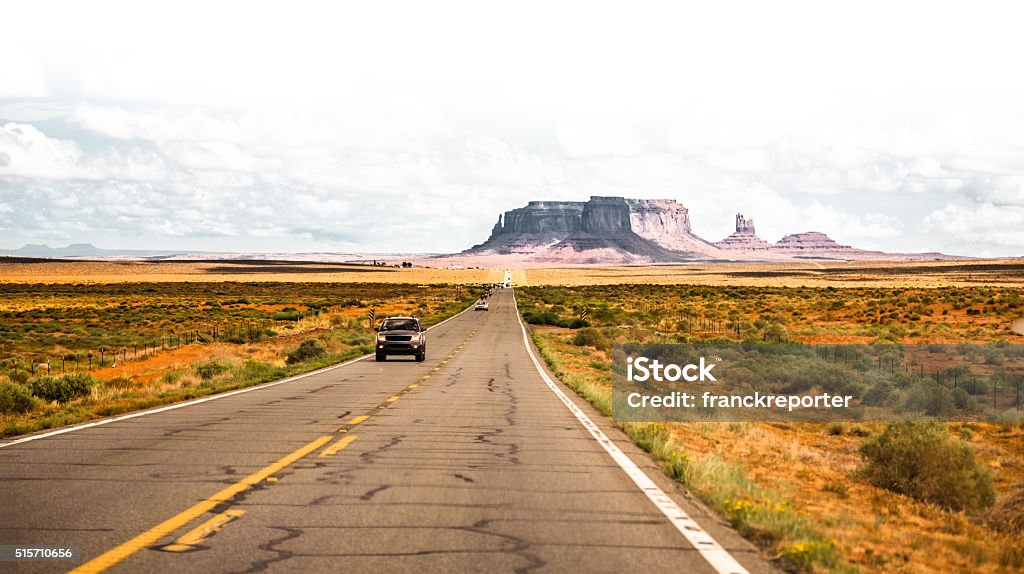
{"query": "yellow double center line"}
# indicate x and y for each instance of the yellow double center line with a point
(153, 535)
(342, 443)
(196, 536)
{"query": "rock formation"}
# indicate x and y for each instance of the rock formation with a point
(744, 239)
(610, 228)
(813, 242)
(606, 228)
(744, 226)
(540, 217)
(616, 230)
(667, 223)
(540, 223)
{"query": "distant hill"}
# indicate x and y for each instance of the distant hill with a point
(81, 250)
(618, 230)
(90, 251)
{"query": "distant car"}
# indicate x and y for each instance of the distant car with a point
(401, 336)
(481, 306)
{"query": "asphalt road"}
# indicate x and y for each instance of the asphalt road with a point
(467, 462)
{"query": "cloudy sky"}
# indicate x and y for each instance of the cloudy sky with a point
(387, 126)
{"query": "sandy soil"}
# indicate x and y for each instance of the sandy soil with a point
(62, 271)
(997, 272)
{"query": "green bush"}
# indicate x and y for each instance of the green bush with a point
(357, 339)
(545, 318)
(211, 368)
(924, 462)
(14, 398)
(930, 398)
(62, 389)
(553, 319)
(258, 371)
(254, 367)
(837, 428)
(308, 349)
(590, 337)
(19, 376)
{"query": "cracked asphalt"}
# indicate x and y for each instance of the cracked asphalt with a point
(466, 462)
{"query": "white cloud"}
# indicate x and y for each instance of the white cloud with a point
(23, 75)
(589, 139)
(448, 115)
(28, 152)
(217, 155)
(159, 126)
(1001, 227)
(25, 151)
(998, 189)
(862, 230)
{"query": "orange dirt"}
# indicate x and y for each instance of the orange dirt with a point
(63, 271)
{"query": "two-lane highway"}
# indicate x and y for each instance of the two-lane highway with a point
(468, 462)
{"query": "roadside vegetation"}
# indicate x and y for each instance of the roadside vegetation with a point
(242, 334)
(836, 497)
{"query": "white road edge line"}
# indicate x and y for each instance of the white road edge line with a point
(709, 548)
(202, 399)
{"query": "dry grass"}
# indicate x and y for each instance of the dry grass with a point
(996, 272)
(52, 328)
(796, 488)
(63, 271)
(810, 472)
(877, 530)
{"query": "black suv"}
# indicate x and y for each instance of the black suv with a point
(401, 336)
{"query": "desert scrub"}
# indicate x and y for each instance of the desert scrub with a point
(63, 324)
(761, 515)
(1008, 515)
(590, 337)
(62, 389)
(252, 370)
(357, 339)
(806, 554)
(308, 349)
(596, 390)
(553, 319)
(209, 369)
(655, 438)
(15, 398)
(923, 461)
(767, 519)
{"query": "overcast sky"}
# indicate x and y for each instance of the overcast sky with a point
(387, 126)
